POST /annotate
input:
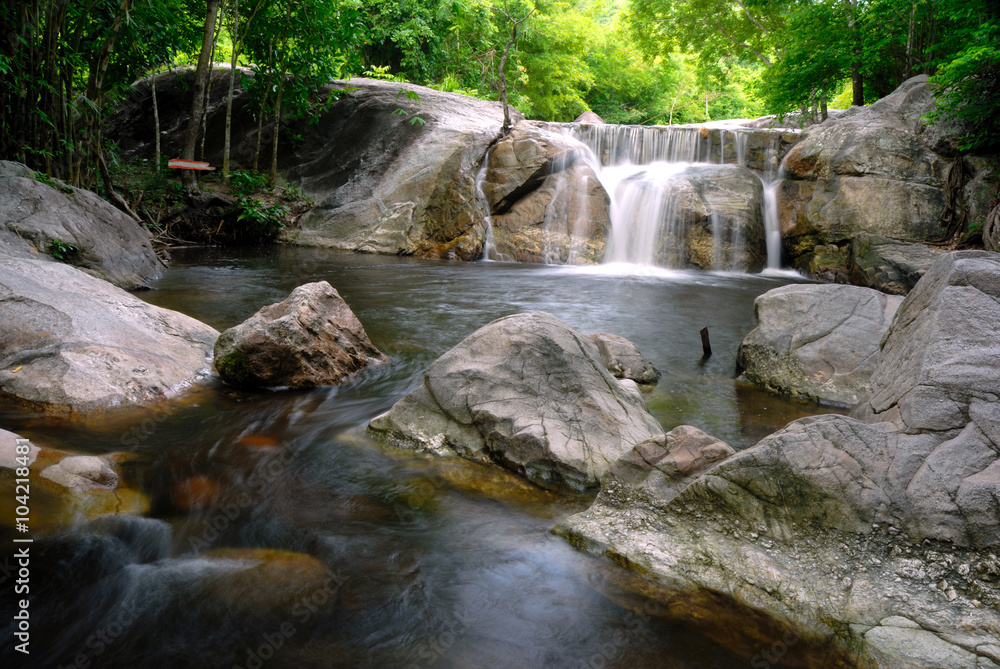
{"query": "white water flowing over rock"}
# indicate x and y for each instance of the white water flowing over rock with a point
(685, 196)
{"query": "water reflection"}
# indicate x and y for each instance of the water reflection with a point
(418, 561)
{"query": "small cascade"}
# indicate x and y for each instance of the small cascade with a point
(489, 242)
(772, 229)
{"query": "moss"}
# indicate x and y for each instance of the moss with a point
(235, 368)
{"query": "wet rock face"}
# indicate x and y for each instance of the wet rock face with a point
(816, 342)
(110, 245)
(80, 344)
(879, 530)
(382, 184)
(310, 339)
(530, 393)
(546, 202)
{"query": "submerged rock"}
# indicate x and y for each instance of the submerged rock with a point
(312, 338)
(530, 393)
(623, 359)
(35, 215)
(816, 342)
(64, 486)
(849, 527)
(71, 343)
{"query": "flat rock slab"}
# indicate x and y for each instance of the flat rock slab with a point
(312, 338)
(816, 342)
(530, 393)
(80, 344)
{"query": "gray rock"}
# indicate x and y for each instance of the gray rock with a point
(546, 202)
(888, 265)
(310, 339)
(623, 359)
(904, 648)
(878, 528)
(385, 185)
(816, 342)
(111, 245)
(655, 471)
(589, 117)
(878, 169)
(530, 393)
(82, 344)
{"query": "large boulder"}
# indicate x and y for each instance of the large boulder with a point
(879, 169)
(546, 201)
(311, 338)
(816, 342)
(383, 182)
(530, 393)
(34, 215)
(705, 216)
(71, 343)
(876, 532)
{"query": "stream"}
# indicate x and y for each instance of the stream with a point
(435, 562)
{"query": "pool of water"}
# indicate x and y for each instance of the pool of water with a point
(435, 563)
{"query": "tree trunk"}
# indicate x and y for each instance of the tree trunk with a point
(277, 131)
(232, 84)
(505, 130)
(857, 79)
(202, 127)
(156, 121)
(198, 100)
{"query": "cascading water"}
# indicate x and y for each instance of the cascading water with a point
(489, 243)
(643, 170)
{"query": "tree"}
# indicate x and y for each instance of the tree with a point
(198, 97)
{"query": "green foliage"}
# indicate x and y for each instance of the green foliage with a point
(245, 182)
(261, 222)
(970, 89)
(62, 251)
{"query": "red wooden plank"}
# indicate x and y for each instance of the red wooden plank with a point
(179, 164)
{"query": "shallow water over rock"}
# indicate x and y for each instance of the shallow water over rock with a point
(339, 552)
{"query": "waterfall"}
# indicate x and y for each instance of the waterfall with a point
(489, 244)
(643, 168)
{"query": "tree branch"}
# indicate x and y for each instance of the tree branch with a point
(737, 42)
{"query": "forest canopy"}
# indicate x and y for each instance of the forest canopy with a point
(64, 63)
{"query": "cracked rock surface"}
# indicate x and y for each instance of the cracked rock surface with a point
(530, 393)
